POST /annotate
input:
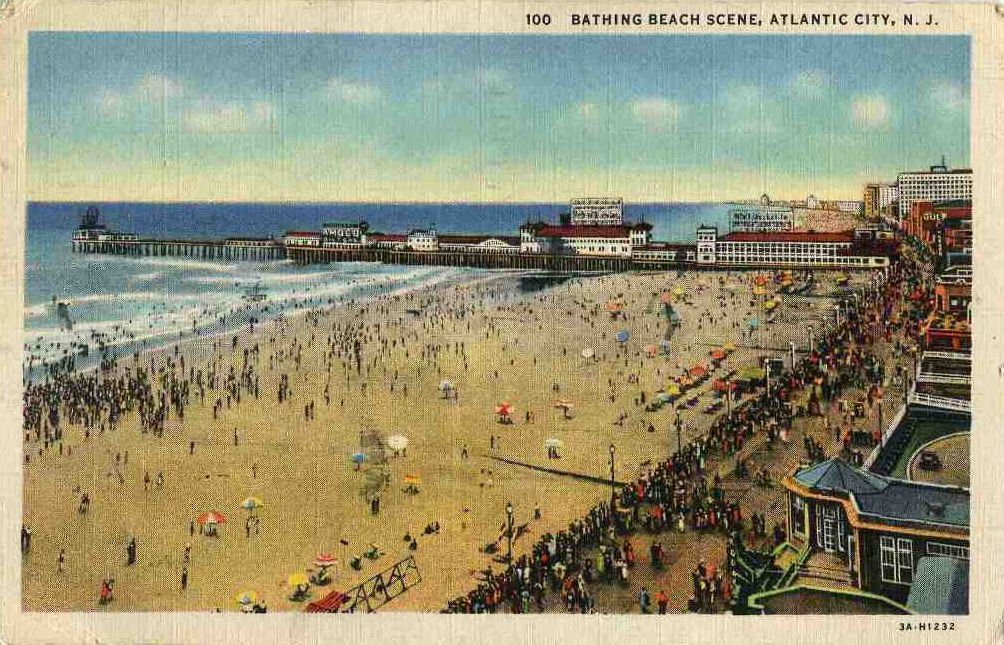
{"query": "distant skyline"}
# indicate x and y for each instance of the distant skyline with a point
(487, 118)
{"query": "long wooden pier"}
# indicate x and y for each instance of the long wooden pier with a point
(268, 249)
(251, 249)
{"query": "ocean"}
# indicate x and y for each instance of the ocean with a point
(120, 304)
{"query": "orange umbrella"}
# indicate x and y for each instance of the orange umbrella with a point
(614, 306)
(760, 281)
(698, 370)
(212, 517)
(503, 408)
(718, 354)
(412, 479)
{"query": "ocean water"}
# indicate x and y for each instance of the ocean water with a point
(120, 304)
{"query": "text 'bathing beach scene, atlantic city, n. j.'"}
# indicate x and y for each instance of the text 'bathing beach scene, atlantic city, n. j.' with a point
(707, 390)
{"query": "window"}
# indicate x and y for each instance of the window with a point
(948, 550)
(798, 516)
(896, 559)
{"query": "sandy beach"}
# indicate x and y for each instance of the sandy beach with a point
(495, 342)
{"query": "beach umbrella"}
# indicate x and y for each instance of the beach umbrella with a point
(358, 457)
(412, 479)
(247, 597)
(622, 336)
(212, 517)
(760, 281)
(324, 560)
(651, 350)
(663, 397)
(718, 354)
(562, 403)
(445, 385)
(698, 371)
(759, 291)
(678, 291)
(587, 352)
(770, 304)
(753, 323)
(673, 389)
(398, 442)
(552, 443)
(729, 346)
(503, 409)
(666, 297)
(614, 307)
(252, 503)
(665, 344)
(297, 579)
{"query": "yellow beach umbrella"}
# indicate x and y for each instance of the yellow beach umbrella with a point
(729, 346)
(297, 579)
(678, 291)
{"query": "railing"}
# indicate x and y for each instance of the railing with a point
(886, 434)
(936, 377)
(958, 356)
(943, 402)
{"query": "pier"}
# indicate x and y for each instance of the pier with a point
(228, 249)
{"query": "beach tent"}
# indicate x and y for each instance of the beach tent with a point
(331, 603)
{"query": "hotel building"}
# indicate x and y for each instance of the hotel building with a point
(937, 184)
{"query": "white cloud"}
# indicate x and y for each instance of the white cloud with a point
(228, 118)
(870, 112)
(810, 84)
(949, 96)
(656, 113)
(352, 92)
(157, 87)
(111, 104)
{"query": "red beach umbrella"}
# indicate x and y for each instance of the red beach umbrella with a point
(212, 517)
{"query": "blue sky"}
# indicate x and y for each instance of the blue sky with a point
(353, 117)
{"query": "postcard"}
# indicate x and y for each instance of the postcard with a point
(496, 321)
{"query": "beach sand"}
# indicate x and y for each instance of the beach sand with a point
(314, 497)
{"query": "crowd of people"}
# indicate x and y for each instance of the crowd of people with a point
(677, 493)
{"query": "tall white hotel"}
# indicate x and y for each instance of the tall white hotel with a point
(937, 184)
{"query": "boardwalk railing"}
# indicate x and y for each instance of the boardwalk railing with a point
(942, 402)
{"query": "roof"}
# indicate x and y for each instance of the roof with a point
(837, 475)
(940, 586)
(476, 239)
(791, 236)
(388, 237)
(888, 500)
(303, 234)
(666, 246)
(584, 231)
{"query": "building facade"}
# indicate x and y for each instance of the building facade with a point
(880, 528)
(933, 185)
(570, 239)
(479, 244)
(423, 240)
(792, 249)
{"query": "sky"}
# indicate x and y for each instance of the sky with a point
(487, 118)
